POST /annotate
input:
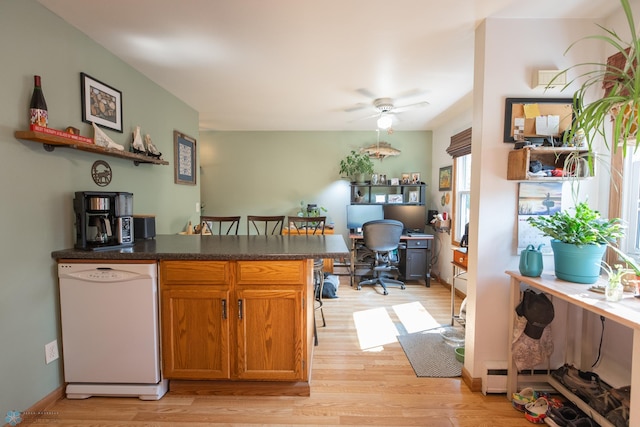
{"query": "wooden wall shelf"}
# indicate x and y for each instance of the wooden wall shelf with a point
(519, 161)
(52, 141)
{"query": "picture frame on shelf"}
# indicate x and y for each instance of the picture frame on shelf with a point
(444, 178)
(380, 198)
(394, 198)
(406, 178)
(524, 117)
(415, 177)
(413, 197)
(101, 103)
(395, 181)
(184, 156)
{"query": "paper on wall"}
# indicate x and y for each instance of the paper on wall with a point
(547, 125)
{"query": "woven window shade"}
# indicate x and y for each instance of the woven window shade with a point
(460, 144)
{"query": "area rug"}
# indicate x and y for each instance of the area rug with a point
(430, 355)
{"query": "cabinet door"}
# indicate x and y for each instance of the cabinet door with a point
(195, 333)
(270, 334)
(415, 264)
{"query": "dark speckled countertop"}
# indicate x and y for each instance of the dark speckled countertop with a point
(196, 247)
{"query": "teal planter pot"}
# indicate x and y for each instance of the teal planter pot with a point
(578, 264)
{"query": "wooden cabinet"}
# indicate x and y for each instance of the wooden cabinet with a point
(571, 160)
(414, 260)
(195, 299)
(237, 320)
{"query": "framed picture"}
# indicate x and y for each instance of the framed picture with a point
(526, 118)
(101, 104)
(413, 197)
(444, 178)
(395, 181)
(406, 178)
(415, 177)
(184, 155)
(380, 198)
(394, 198)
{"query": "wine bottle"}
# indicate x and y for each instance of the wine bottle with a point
(38, 107)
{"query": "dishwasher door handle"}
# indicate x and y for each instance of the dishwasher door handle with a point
(240, 309)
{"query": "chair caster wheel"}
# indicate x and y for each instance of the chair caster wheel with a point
(402, 287)
(386, 293)
(358, 288)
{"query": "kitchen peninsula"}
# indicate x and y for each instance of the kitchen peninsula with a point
(236, 312)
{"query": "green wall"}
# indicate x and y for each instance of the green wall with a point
(37, 186)
(269, 173)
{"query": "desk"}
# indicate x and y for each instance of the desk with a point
(626, 312)
(415, 257)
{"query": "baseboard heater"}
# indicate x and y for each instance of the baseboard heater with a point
(494, 377)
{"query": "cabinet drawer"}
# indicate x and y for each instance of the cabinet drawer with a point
(195, 272)
(271, 272)
(417, 243)
(460, 258)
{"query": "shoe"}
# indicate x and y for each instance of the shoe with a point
(604, 403)
(562, 416)
(584, 384)
(536, 412)
(526, 395)
(619, 417)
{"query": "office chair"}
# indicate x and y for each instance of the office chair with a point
(382, 237)
(308, 225)
(265, 224)
(215, 224)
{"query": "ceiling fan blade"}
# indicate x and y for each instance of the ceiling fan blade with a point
(366, 92)
(357, 107)
(408, 107)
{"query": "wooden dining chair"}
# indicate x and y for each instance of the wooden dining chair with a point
(265, 224)
(220, 225)
(306, 224)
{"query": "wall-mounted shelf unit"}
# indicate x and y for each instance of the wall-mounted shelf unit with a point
(384, 194)
(52, 141)
(520, 160)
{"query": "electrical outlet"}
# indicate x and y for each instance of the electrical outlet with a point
(51, 351)
(197, 207)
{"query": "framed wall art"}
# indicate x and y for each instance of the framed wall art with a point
(526, 118)
(394, 198)
(101, 103)
(444, 178)
(184, 156)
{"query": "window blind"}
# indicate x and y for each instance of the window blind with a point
(460, 144)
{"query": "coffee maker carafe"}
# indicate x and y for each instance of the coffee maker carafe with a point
(104, 220)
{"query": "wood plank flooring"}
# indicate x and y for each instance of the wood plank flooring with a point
(352, 386)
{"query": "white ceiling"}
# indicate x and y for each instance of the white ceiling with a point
(300, 64)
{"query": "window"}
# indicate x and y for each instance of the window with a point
(461, 196)
(460, 150)
(625, 200)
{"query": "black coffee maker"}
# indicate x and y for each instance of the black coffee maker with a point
(104, 220)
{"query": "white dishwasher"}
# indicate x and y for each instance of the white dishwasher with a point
(110, 333)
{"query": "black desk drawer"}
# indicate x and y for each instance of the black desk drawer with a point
(417, 243)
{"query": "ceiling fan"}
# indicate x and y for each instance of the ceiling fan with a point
(384, 108)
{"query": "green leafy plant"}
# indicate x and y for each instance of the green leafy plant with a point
(622, 96)
(630, 261)
(616, 272)
(310, 210)
(355, 163)
(584, 227)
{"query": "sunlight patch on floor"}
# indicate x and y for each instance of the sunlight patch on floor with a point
(375, 328)
(415, 317)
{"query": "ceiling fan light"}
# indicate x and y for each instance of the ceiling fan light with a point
(384, 122)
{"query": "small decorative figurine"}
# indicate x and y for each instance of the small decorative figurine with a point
(151, 149)
(103, 140)
(138, 146)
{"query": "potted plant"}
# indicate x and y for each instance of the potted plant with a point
(620, 77)
(578, 241)
(355, 165)
(614, 288)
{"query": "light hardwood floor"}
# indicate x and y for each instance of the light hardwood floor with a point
(350, 386)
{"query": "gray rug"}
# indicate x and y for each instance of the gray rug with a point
(430, 355)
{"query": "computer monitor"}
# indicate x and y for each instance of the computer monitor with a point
(359, 214)
(412, 216)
